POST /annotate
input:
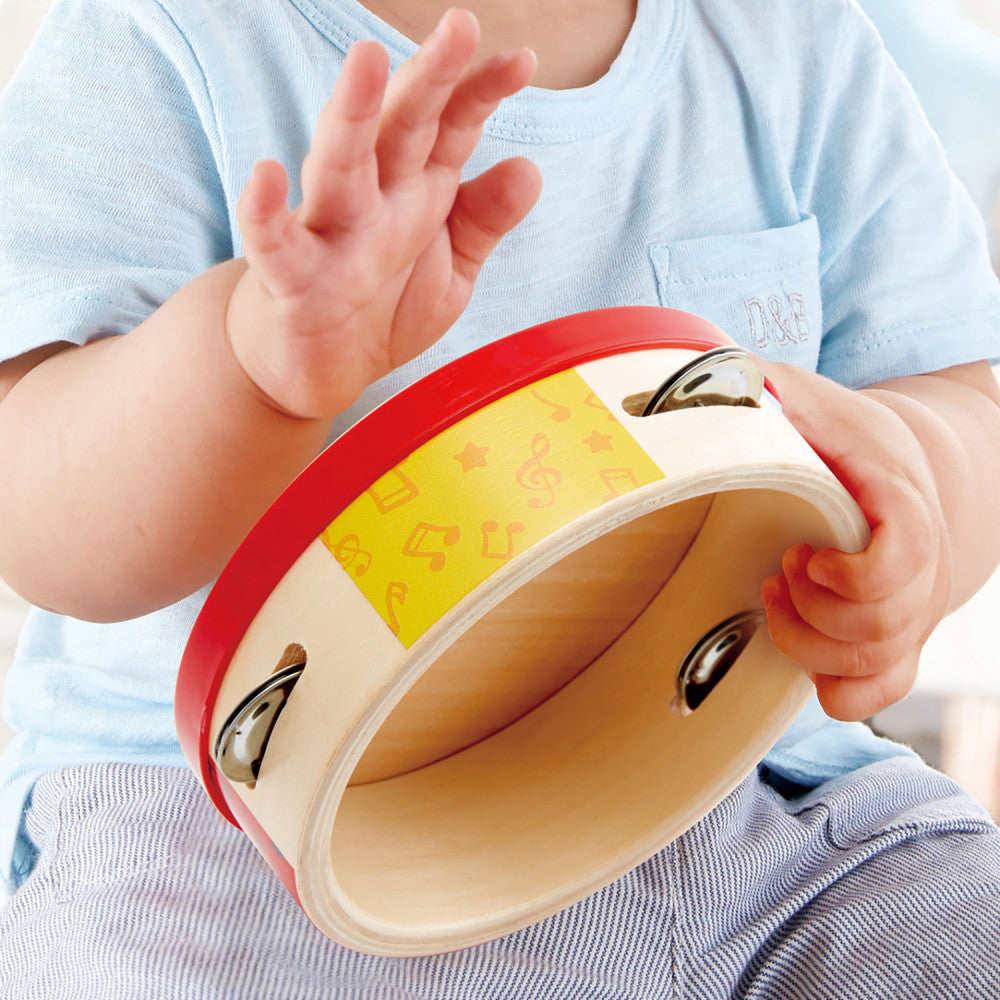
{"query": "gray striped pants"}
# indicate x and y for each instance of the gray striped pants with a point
(885, 883)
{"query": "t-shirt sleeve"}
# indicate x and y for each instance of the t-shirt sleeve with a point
(109, 175)
(906, 278)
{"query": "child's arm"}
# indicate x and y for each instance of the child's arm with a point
(133, 466)
(920, 455)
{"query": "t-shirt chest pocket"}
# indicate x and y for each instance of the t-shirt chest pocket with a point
(761, 288)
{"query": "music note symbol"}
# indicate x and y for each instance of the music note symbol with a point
(449, 535)
(393, 490)
(560, 412)
(595, 403)
(489, 528)
(611, 477)
(395, 594)
(534, 474)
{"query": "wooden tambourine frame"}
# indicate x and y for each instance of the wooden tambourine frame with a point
(491, 581)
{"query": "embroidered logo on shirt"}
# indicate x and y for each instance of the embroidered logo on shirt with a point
(778, 319)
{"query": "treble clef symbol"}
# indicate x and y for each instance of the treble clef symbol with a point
(534, 474)
(348, 549)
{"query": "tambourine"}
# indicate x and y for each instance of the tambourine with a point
(502, 641)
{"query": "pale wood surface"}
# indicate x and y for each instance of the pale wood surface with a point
(544, 800)
(594, 779)
(534, 642)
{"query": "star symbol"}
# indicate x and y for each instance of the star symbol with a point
(598, 442)
(472, 457)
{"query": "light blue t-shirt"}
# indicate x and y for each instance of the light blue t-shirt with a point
(760, 163)
(954, 66)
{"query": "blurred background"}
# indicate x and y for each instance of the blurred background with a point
(950, 50)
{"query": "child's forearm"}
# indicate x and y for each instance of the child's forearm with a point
(136, 464)
(133, 466)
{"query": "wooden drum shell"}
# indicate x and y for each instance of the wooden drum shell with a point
(428, 790)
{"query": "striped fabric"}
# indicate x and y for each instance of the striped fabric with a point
(885, 883)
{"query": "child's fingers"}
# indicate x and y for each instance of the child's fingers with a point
(876, 457)
(850, 620)
(340, 178)
(419, 92)
(853, 680)
(903, 543)
(487, 207)
(818, 653)
(476, 97)
(268, 228)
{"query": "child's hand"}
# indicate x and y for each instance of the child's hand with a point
(857, 622)
(379, 259)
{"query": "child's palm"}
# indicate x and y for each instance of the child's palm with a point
(379, 259)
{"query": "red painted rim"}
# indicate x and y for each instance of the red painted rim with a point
(358, 458)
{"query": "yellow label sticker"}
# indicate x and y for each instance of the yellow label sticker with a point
(479, 494)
